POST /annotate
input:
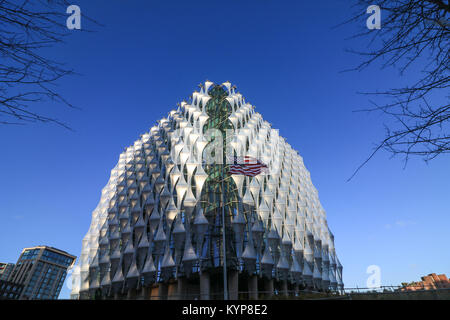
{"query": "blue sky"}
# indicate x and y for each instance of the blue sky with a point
(285, 58)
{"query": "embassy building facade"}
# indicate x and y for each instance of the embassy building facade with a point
(171, 209)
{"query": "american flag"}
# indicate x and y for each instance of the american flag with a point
(247, 166)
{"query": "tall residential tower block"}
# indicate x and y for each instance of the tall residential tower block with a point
(41, 270)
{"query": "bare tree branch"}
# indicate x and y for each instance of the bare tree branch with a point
(28, 76)
(416, 33)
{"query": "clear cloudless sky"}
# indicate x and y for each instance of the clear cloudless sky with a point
(285, 58)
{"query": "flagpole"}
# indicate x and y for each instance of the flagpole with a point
(225, 286)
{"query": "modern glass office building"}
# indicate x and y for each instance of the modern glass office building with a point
(41, 270)
(171, 216)
(5, 270)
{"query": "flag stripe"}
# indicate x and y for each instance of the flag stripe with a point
(247, 166)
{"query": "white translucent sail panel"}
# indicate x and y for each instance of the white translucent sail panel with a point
(149, 217)
(76, 282)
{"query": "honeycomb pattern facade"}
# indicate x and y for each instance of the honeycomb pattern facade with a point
(159, 215)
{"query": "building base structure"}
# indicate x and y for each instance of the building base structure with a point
(240, 287)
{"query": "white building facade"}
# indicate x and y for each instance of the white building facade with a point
(157, 232)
